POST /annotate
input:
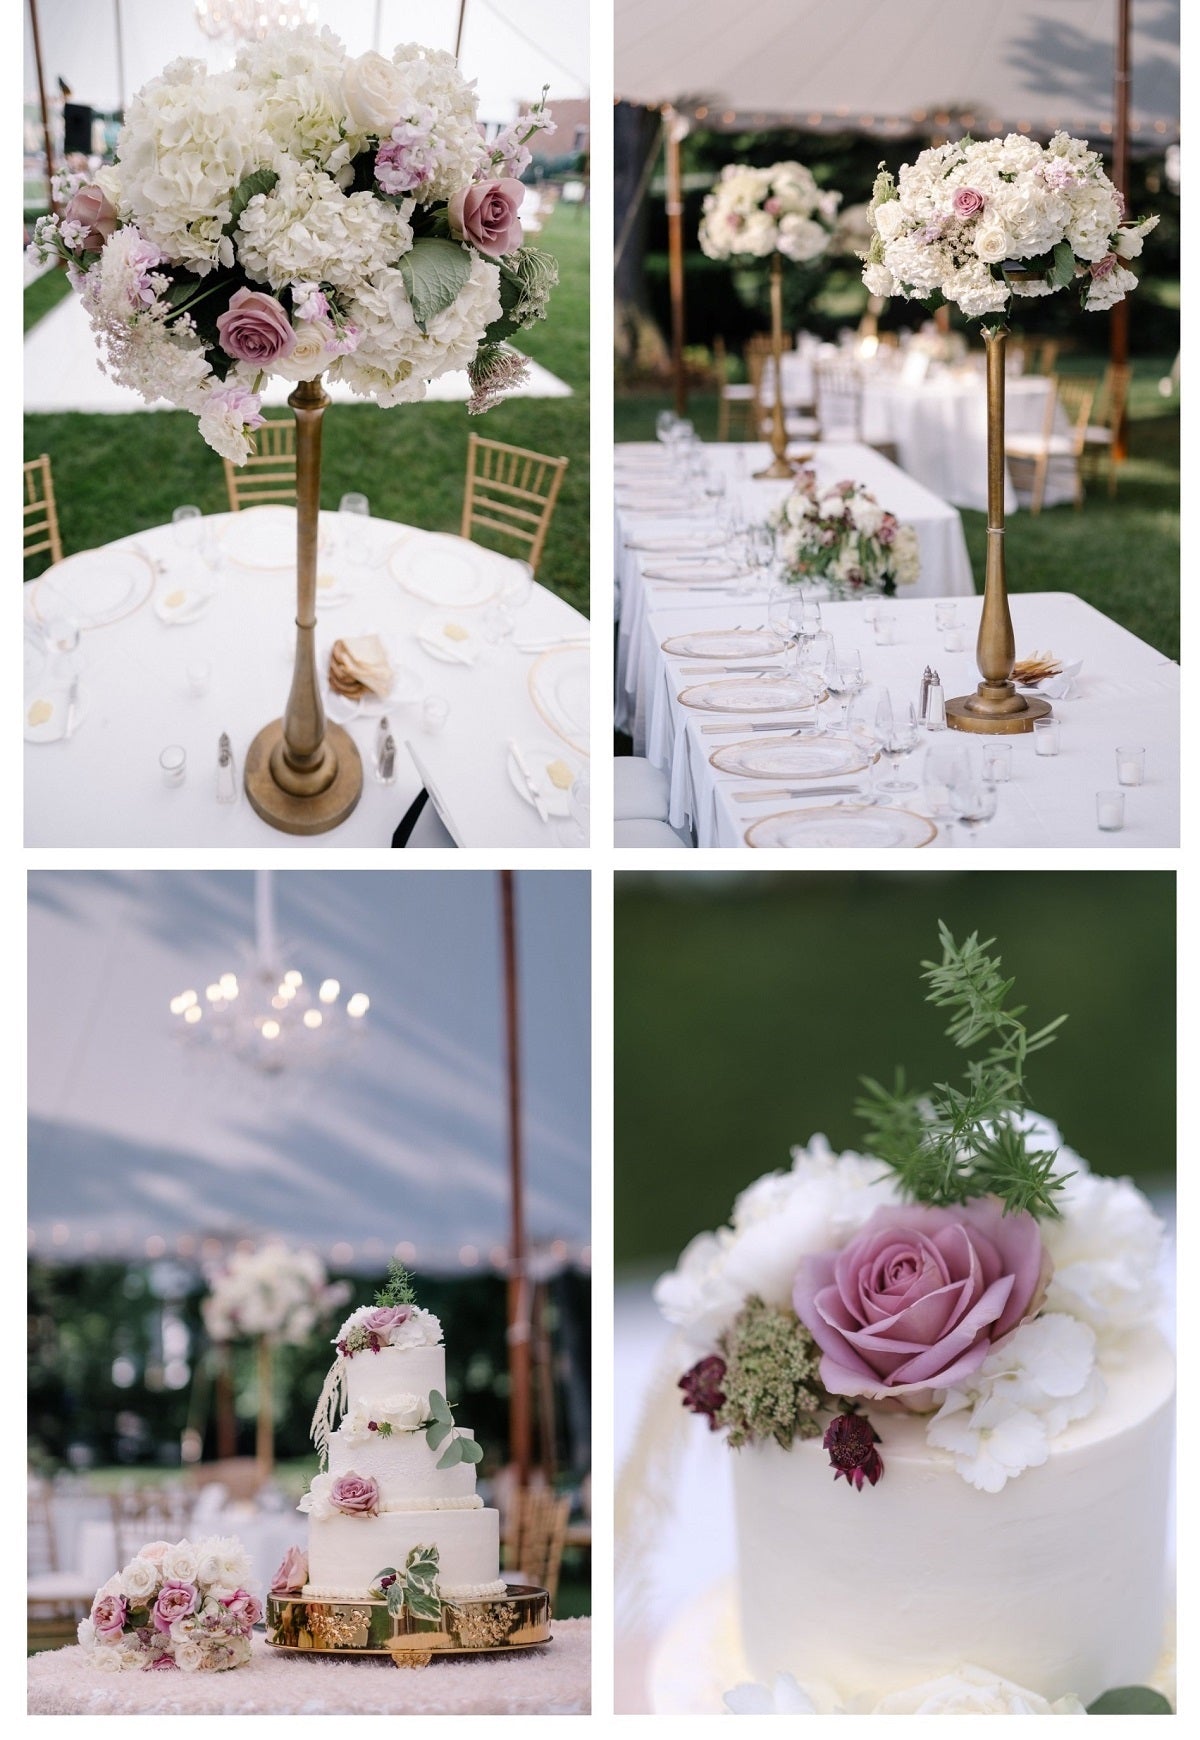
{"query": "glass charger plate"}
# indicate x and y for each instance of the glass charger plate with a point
(791, 757)
(722, 643)
(695, 573)
(264, 538)
(842, 825)
(94, 588)
(753, 695)
(560, 689)
(441, 571)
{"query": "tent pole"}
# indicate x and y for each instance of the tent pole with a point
(1118, 330)
(519, 1303)
(462, 15)
(37, 55)
(674, 133)
(120, 58)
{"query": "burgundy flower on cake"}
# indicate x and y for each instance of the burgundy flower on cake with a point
(175, 1601)
(356, 1494)
(701, 1387)
(292, 1573)
(916, 1301)
(850, 1441)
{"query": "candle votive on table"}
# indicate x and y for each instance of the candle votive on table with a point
(1131, 766)
(997, 762)
(173, 763)
(885, 628)
(945, 616)
(1047, 736)
(199, 675)
(435, 710)
(952, 639)
(1110, 811)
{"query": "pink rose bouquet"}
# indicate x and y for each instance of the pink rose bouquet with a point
(199, 1618)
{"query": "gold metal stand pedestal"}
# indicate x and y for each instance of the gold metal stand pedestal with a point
(518, 1619)
(304, 776)
(780, 465)
(995, 708)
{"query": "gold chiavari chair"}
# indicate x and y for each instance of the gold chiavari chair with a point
(535, 1537)
(511, 490)
(56, 1598)
(145, 1513)
(1099, 439)
(1054, 445)
(270, 472)
(41, 510)
(731, 395)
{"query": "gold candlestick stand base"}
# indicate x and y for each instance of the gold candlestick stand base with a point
(303, 775)
(780, 466)
(995, 708)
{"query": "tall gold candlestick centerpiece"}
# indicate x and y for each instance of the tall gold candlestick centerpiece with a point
(779, 466)
(304, 774)
(995, 707)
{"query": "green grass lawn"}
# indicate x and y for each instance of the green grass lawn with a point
(42, 295)
(116, 474)
(1121, 555)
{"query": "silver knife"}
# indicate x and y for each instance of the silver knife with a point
(797, 726)
(747, 796)
(539, 802)
(72, 703)
(731, 670)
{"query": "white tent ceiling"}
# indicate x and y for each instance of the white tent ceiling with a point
(135, 1146)
(886, 66)
(510, 47)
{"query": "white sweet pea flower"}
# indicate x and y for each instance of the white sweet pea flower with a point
(973, 1691)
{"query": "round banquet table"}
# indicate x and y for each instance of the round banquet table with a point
(554, 1681)
(151, 610)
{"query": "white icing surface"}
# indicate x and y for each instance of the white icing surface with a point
(1057, 1582)
(347, 1553)
(403, 1465)
(395, 1371)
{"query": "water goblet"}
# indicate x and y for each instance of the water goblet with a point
(899, 736)
(844, 678)
(435, 710)
(517, 588)
(185, 526)
(973, 800)
(354, 502)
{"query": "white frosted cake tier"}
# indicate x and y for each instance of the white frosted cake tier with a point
(1056, 1582)
(347, 1553)
(405, 1469)
(394, 1371)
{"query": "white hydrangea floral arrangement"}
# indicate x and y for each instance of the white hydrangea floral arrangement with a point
(977, 222)
(271, 1291)
(758, 212)
(304, 212)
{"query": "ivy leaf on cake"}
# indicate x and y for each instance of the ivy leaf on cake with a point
(969, 1269)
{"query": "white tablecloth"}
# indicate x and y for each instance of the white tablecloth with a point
(103, 787)
(945, 565)
(1126, 693)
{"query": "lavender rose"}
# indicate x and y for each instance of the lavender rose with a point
(292, 1573)
(255, 329)
(108, 1614)
(91, 208)
(354, 1494)
(175, 1601)
(385, 1317)
(245, 1610)
(967, 203)
(485, 214)
(916, 1301)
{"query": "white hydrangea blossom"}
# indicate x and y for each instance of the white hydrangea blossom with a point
(1003, 1417)
(295, 78)
(758, 212)
(394, 360)
(273, 1291)
(308, 228)
(974, 1691)
(1106, 1250)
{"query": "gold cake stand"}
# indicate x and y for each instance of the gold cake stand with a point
(519, 1619)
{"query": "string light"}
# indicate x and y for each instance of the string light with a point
(252, 20)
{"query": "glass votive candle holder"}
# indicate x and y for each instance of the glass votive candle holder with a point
(435, 710)
(952, 639)
(885, 628)
(199, 675)
(1047, 736)
(944, 616)
(1110, 811)
(997, 763)
(173, 763)
(1131, 766)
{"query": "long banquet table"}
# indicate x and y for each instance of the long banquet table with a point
(945, 565)
(1126, 693)
(137, 657)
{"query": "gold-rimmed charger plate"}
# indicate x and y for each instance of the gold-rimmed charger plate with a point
(560, 689)
(792, 758)
(774, 694)
(449, 572)
(842, 826)
(94, 588)
(723, 643)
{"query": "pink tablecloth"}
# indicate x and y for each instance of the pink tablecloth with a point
(554, 1681)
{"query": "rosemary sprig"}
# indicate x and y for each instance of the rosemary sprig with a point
(398, 1289)
(954, 1143)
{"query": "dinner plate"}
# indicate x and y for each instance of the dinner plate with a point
(540, 755)
(49, 706)
(176, 605)
(95, 587)
(791, 758)
(446, 637)
(560, 688)
(753, 695)
(696, 571)
(723, 643)
(842, 825)
(445, 571)
(264, 538)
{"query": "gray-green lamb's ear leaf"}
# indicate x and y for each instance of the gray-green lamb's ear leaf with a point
(439, 1407)
(471, 1451)
(438, 1433)
(262, 181)
(434, 272)
(1130, 1701)
(1063, 269)
(452, 1454)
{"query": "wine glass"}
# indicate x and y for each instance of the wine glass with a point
(665, 425)
(844, 677)
(517, 587)
(779, 619)
(973, 801)
(714, 488)
(946, 766)
(806, 621)
(760, 548)
(899, 736)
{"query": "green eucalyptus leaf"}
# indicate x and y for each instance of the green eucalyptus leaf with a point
(471, 1451)
(439, 1407)
(453, 1454)
(262, 181)
(434, 270)
(438, 1433)
(1130, 1701)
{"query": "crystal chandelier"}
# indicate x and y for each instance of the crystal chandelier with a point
(265, 1015)
(252, 20)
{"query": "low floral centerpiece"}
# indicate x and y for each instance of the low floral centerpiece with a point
(179, 1607)
(980, 224)
(839, 536)
(966, 1280)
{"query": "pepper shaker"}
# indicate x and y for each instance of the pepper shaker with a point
(386, 766)
(923, 705)
(935, 712)
(226, 773)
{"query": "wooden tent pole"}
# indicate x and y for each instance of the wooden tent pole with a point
(673, 134)
(1118, 330)
(519, 1302)
(37, 55)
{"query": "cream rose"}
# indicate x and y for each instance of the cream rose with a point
(310, 353)
(179, 1563)
(990, 241)
(375, 91)
(139, 1580)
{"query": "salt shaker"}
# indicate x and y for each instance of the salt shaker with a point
(935, 710)
(923, 704)
(226, 774)
(386, 765)
(382, 732)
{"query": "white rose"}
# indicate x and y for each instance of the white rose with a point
(223, 1561)
(179, 1563)
(973, 1691)
(307, 359)
(990, 241)
(889, 219)
(375, 92)
(139, 1580)
(1106, 1250)
(189, 1657)
(406, 1413)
